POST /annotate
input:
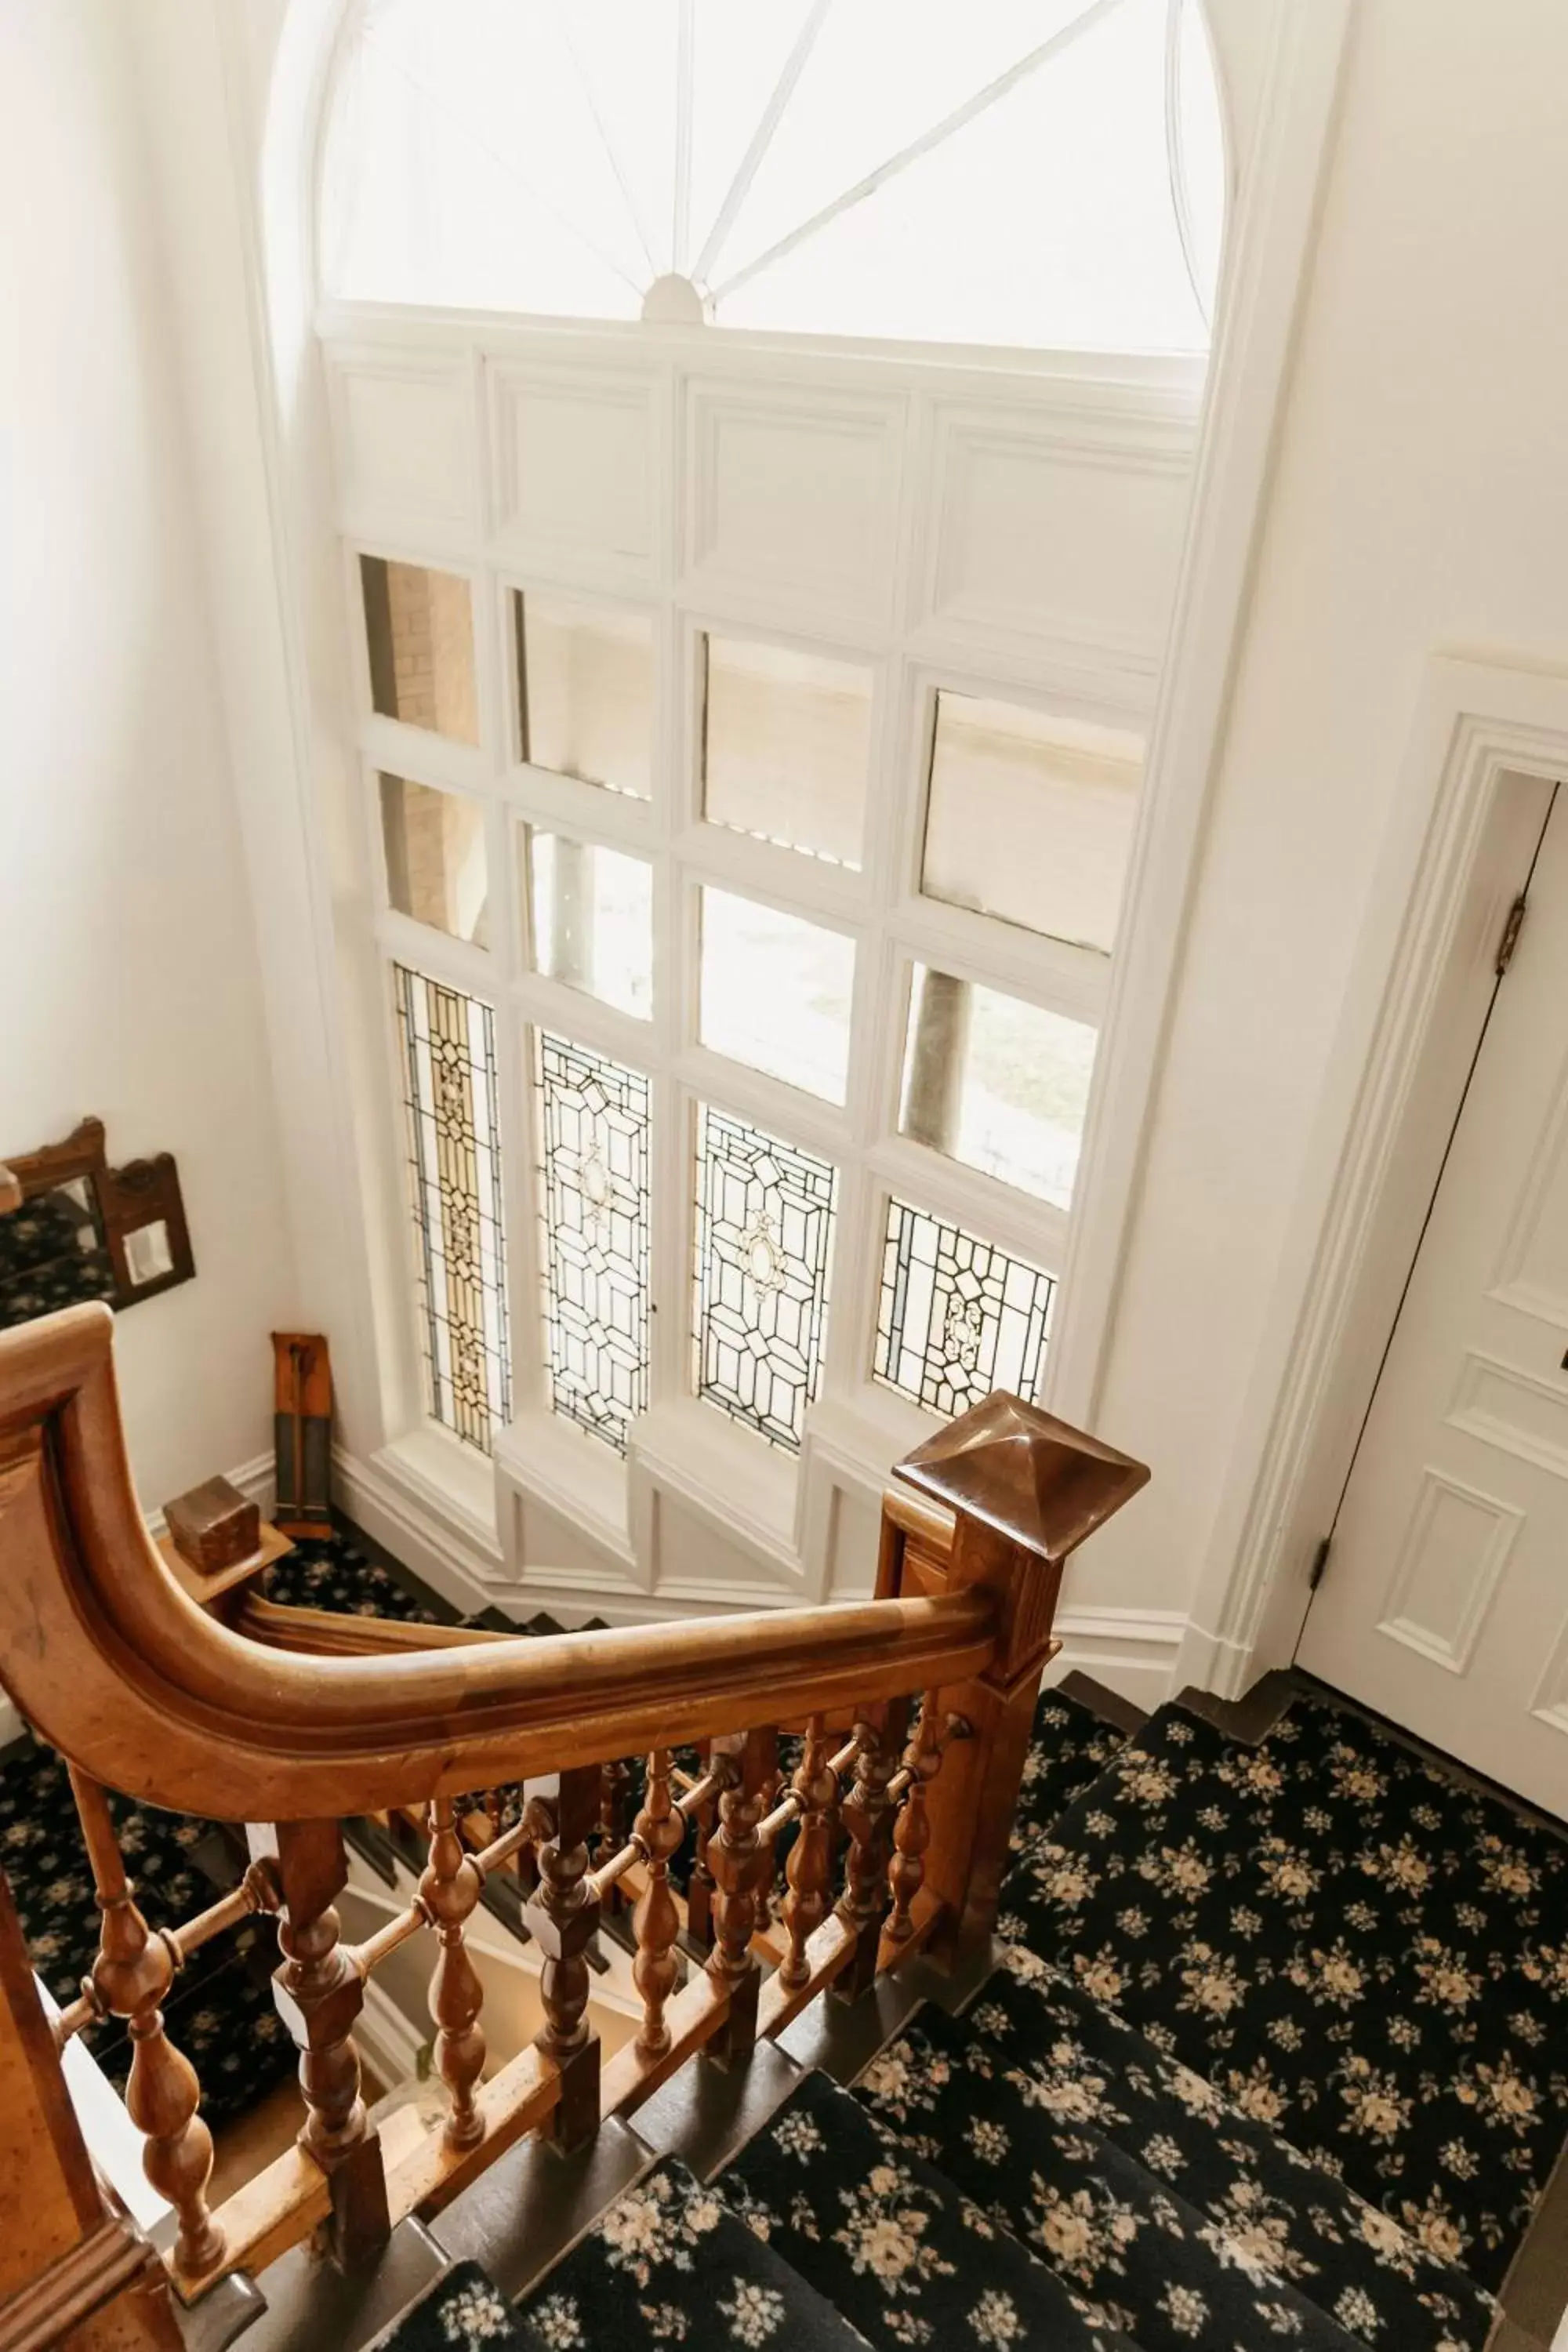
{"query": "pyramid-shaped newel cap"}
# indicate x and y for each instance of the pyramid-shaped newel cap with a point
(1035, 1479)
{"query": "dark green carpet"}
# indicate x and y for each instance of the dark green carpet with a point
(1365, 1954)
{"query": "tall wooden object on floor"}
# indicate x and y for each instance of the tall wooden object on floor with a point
(71, 2273)
(302, 1433)
(1027, 1490)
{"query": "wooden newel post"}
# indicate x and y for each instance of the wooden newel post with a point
(1025, 1489)
(563, 1917)
(320, 1993)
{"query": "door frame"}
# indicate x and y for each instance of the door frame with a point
(1485, 740)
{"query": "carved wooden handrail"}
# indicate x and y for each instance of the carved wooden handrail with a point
(128, 1677)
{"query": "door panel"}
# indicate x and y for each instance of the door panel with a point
(1446, 1602)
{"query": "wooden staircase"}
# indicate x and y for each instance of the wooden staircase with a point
(913, 1711)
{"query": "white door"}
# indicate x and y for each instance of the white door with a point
(1444, 1605)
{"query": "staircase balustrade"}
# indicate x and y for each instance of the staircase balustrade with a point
(290, 1721)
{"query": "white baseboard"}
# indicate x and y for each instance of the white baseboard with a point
(388, 1503)
(1210, 1663)
(1134, 1652)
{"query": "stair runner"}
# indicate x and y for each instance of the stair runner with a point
(1270, 2057)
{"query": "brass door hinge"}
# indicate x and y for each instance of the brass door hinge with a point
(1510, 931)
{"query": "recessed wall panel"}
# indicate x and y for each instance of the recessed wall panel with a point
(574, 463)
(1534, 1271)
(403, 436)
(795, 499)
(1505, 1407)
(1050, 539)
(1454, 1549)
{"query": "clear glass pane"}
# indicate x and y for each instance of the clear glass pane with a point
(764, 1240)
(452, 1113)
(584, 676)
(1030, 816)
(543, 159)
(776, 993)
(594, 1118)
(419, 633)
(931, 253)
(436, 858)
(786, 743)
(463, 163)
(850, 111)
(592, 918)
(999, 1084)
(956, 1316)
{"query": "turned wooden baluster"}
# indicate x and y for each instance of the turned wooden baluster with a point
(809, 1869)
(867, 1811)
(615, 1797)
(657, 1919)
(319, 1993)
(131, 1978)
(699, 1885)
(563, 1917)
(449, 1889)
(741, 1866)
(911, 1832)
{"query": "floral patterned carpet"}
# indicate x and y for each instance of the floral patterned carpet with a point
(1364, 1953)
(1274, 2056)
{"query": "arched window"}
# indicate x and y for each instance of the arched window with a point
(749, 742)
(1047, 173)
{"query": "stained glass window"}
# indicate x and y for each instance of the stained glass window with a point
(764, 1233)
(956, 1316)
(594, 1117)
(455, 1179)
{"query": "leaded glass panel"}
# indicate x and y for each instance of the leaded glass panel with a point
(455, 1181)
(764, 1235)
(594, 1124)
(956, 1316)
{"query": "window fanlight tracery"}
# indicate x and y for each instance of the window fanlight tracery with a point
(1036, 172)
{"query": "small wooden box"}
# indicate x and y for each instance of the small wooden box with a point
(214, 1527)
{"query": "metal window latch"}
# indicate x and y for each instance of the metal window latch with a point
(1510, 931)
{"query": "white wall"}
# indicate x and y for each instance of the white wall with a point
(1420, 504)
(130, 973)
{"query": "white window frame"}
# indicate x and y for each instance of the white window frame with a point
(683, 1444)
